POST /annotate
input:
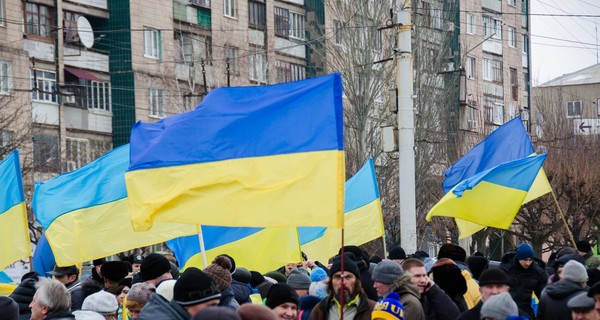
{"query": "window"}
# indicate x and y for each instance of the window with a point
(492, 70)
(514, 84)
(470, 68)
(470, 23)
(492, 27)
(229, 8)
(296, 21)
(5, 138)
(157, 103)
(286, 72)
(512, 37)
(525, 40)
(231, 53)
(46, 152)
(258, 66)
(498, 113)
(281, 21)
(337, 30)
(191, 48)
(70, 27)
(574, 109)
(512, 3)
(257, 15)
(43, 84)
(598, 104)
(78, 153)
(2, 21)
(436, 17)
(99, 96)
(152, 43)
(38, 20)
(5, 80)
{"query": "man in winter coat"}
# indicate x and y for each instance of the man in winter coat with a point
(459, 256)
(553, 303)
(388, 276)
(193, 291)
(345, 284)
(525, 277)
(218, 270)
(52, 301)
(585, 251)
(23, 295)
(582, 307)
(437, 305)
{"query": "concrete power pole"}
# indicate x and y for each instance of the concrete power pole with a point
(406, 129)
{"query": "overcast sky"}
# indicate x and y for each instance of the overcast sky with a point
(562, 45)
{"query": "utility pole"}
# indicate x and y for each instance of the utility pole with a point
(406, 129)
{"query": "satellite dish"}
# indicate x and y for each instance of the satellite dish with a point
(85, 32)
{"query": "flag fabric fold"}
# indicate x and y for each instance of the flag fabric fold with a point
(14, 231)
(7, 285)
(363, 219)
(85, 214)
(261, 156)
(43, 258)
(492, 197)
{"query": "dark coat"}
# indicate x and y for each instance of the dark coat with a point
(409, 297)
(363, 310)
(241, 291)
(438, 305)
(524, 281)
(228, 299)
(23, 295)
(66, 315)
(159, 308)
(553, 304)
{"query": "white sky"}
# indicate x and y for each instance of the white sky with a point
(562, 45)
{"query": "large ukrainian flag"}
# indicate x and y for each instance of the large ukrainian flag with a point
(85, 214)
(7, 285)
(259, 249)
(492, 197)
(363, 219)
(507, 143)
(261, 156)
(14, 233)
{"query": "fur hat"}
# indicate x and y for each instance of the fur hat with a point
(389, 308)
(102, 302)
(397, 253)
(524, 251)
(10, 309)
(249, 311)
(448, 276)
(281, 293)
(349, 265)
(584, 246)
(387, 271)
(154, 266)
(140, 292)
(298, 279)
(219, 271)
(452, 251)
(499, 307)
(493, 276)
(114, 270)
(194, 287)
(575, 272)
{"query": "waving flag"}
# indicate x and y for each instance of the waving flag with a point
(85, 215)
(43, 258)
(7, 285)
(259, 249)
(260, 156)
(507, 143)
(492, 197)
(363, 220)
(14, 232)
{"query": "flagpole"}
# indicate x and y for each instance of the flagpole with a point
(201, 241)
(384, 247)
(562, 215)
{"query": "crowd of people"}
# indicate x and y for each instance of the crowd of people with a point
(352, 285)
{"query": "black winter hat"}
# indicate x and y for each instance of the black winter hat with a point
(349, 265)
(397, 253)
(281, 293)
(493, 276)
(452, 251)
(361, 257)
(477, 264)
(242, 275)
(194, 287)
(114, 270)
(98, 262)
(584, 246)
(450, 279)
(257, 278)
(154, 266)
(9, 308)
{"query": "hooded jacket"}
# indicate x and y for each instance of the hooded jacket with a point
(524, 281)
(159, 308)
(553, 304)
(409, 297)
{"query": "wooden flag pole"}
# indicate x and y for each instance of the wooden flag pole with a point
(562, 215)
(202, 249)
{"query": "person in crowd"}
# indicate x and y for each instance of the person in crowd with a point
(260, 283)
(553, 303)
(154, 269)
(52, 300)
(136, 262)
(96, 272)
(300, 281)
(585, 251)
(389, 277)
(23, 294)
(437, 305)
(389, 308)
(9, 309)
(69, 276)
(347, 285)
(362, 261)
(137, 297)
(216, 313)
(240, 284)
(165, 288)
(112, 272)
(277, 276)
(87, 315)
(218, 270)
(447, 275)
(249, 311)
(594, 293)
(103, 303)
(283, 300)
(305, 306)
(397, 254)
(87, 287)
(193, 291)
(459, 256)
(318, 283)
(582, 307)
(499, 307)
(525, 277)
(477, 264)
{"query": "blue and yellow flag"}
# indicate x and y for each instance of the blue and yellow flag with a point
(363, 219)
(14, 233)
(507, 143)
(7, 285)
(85, 214)
(493, 197)
(43, 258)
(259, 156)
(535, 302)
(259, 249)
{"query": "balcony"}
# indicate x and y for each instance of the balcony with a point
(102, 4)
(494, 5)
(289, 47)
(493, 46)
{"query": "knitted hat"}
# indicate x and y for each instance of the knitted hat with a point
(477, 264)
(281, 293)
(318, 274)
(153, 266)
(242, 275)
(349, 265)
(277, 276)
(581, 302)
(216, 313)
(10, 309)
(233, 267)
(140, 292)
(584, 246)
(387, 271)
(298, 280)
(397, 253)
(524, 251)
(249, 311)
(219, 271)
(87, 315)
(165, 288)
(493, 276)
(499, 307)
(194, 287)
(452, 251)
(114, 270)
(102, 302)
(389, 308)
(575, 272)
(61, 271)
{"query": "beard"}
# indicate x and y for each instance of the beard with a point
(348, 295)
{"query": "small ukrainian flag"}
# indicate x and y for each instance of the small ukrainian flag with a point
(535, 302)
